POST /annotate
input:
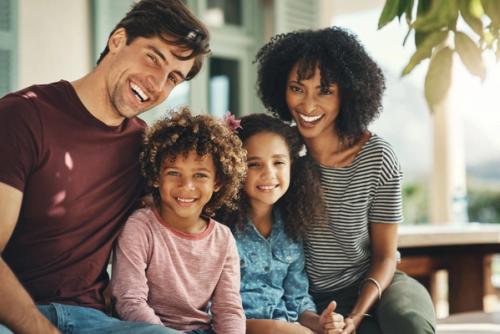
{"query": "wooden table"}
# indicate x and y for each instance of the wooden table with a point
(463, 250)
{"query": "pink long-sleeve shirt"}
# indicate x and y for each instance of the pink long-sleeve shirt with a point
(165, 276)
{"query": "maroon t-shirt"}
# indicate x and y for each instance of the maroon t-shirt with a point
(80, 180)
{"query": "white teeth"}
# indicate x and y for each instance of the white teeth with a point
(139, 92)
(185, 200)
(310, 118)
(266, 187)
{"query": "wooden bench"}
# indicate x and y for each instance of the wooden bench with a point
(463, 250)
(470, 323)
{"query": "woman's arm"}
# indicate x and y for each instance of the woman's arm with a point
(383, 238)
(383, 217)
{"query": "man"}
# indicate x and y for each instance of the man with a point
(69, 172)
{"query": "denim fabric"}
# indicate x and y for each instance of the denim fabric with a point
(5, 330)
(274, 284)
(75, 319)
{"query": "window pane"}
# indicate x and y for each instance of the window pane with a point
(223, 86)
(5, 72)
(5, 12)
(222, 12)
(178, 97)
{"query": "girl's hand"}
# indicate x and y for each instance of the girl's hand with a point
(331, 322)
(350, 325)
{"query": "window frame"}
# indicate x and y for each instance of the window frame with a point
(9, 42)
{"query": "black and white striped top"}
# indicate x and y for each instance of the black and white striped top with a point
(368, 191)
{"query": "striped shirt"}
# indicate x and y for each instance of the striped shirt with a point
(367, 191)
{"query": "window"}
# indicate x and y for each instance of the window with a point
(8, 47)
(223, 86)
(236, 29)
(224, 12)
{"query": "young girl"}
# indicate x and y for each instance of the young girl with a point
(173, 265)
(327, 84)
(277, 205)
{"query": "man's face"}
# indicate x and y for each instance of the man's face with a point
(142, 74)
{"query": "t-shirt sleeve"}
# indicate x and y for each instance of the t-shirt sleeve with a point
(20, 140)
(129, 284)
(226, 307)
(387, 204)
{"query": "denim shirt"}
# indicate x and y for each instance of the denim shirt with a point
(274, 284)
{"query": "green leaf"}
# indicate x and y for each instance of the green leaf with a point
(420, 37)
(452, 14)
(476, 8)
(492, 9)
(438, 78)
(425, 50)
(488, 39)
(498, 51)
(470, 54)
(423, 7)
(435, 18)
(389, 12)
(403, 7)
(409, 12)
(469, 14)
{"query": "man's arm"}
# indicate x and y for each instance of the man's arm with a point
(17, 310)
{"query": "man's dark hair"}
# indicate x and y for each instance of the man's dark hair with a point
(171, 21)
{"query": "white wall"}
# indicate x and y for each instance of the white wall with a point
(54, 40)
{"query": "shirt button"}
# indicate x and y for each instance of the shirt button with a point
(266, 268)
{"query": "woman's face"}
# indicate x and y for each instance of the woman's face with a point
(313, 109)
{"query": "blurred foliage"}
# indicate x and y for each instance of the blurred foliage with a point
(415, 204)
(483, 203)
(436, 37)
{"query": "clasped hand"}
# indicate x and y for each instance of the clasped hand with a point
(334, 323)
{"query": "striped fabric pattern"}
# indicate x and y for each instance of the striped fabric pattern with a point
(368, 191)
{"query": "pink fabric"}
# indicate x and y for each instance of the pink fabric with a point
(165, 276)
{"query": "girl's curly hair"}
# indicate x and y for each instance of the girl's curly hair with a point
(302, 203)
(341, 59)
(178, 134)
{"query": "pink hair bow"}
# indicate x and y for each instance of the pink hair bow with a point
(232, 122)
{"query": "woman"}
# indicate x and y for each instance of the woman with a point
(325, 82)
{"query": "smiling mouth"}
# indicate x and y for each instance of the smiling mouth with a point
(139, 93)
(185, 200)
(310, 119)
(268, 187)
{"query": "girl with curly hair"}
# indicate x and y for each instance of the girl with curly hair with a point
(325, 82)
(173, 264)
(274, 212)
